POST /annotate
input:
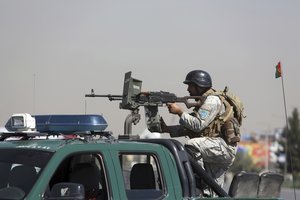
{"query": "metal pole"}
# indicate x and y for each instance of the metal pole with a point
(85, 106)
(287, 125)
(34, 94)
(287, 152)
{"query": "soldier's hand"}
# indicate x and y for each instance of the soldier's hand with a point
(174, 109)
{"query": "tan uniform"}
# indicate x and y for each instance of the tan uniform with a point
(207, 144)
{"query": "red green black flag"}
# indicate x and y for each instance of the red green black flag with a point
(278, 70)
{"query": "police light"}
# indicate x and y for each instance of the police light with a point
(22, 122)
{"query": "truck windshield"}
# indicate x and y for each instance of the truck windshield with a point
(19, 169)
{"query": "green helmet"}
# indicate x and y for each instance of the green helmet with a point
(198, 77)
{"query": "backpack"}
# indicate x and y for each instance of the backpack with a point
(235, 102)
(231, 120)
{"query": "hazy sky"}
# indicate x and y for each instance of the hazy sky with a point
(53, 52)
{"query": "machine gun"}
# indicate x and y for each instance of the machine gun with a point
(133, 98)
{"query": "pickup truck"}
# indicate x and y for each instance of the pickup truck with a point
(92, 164)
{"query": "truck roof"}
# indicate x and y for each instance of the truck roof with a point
(53, 144)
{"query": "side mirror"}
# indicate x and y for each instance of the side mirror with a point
(63, 191)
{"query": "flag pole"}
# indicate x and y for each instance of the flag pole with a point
(287, 132)
(286, 121)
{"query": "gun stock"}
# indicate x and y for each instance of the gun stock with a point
(186, 100)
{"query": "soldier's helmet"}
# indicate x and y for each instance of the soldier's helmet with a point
(199, 77)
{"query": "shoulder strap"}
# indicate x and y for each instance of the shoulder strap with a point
(209, 92)
(228, 114)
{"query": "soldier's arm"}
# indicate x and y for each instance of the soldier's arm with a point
(204, 116)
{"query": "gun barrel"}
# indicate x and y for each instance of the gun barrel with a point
(109, 96)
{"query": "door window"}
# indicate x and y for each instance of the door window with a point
(142, 176)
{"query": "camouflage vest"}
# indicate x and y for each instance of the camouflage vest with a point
(226, 125)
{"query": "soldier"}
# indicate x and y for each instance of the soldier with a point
(208, 144)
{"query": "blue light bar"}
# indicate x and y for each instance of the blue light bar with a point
(69, 123)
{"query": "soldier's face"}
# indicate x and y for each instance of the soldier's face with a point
(194, 90)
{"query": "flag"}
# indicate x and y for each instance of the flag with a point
(278, 70)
